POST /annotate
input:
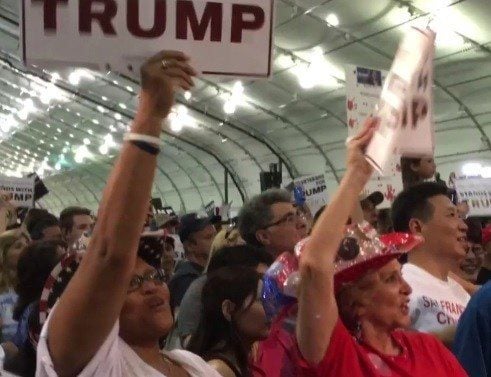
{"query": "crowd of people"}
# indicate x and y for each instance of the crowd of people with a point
(354, 291)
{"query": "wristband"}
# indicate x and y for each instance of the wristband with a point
(146, 147)
(147, 139)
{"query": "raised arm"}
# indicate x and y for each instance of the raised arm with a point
(91, 304)
(318, 312)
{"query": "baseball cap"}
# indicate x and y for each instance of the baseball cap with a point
(192, 223)
(375, 198)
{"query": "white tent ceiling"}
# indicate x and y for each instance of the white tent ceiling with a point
(305, 129)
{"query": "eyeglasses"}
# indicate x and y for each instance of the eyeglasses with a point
(157, 276)
(290, 218)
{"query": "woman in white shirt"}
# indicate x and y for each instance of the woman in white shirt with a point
(109, 319)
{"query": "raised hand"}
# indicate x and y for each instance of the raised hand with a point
(161, 76)
(356, 164)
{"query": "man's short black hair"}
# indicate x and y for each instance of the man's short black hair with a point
(413, 203)
(38, 225)
(67, 215)
(242, 255)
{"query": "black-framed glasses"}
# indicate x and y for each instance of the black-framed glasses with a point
(289, 218)
(157, 276)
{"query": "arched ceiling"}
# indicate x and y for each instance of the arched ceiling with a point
(278, 120)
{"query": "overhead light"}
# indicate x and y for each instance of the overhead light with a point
(104, 149)
(445, 35)
(129, 88)
(58, 166)
(486, 172)
(117, 116)
(402, 15)
(55, 76)
(101, 109)
(77, 75)
(123, 106)
(104, 98)
(86, 141)
(27, 108)
(187, 95)
(332, 19)
(472, 169)
(285, 61)
(237, 96)
(81, 153)
(229, 107)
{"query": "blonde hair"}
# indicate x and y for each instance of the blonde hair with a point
(227, 237)
(7, 239)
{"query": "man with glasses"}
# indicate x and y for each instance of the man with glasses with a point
(470, 266)
(271, 221)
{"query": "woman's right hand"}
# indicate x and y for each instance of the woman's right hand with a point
(357, 166)
(161, 76)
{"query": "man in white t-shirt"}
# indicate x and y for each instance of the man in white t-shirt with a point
(437, 300)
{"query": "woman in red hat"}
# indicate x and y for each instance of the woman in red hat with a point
(353, 300)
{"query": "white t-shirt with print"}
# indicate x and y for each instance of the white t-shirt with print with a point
(434, 304)
(115, 358)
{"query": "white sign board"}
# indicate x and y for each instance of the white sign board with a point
(363, 89)
(314, 189)
(390, 186)
(406, 103)
(477, 193)
(222, 37)
(18, 191)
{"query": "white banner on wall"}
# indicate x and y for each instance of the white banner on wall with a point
(18, 191)
(477, 193)
(222, 37)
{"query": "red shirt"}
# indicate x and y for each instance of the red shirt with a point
(277, 355)
(423, 355)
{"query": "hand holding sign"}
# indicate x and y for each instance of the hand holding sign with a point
(161, 76)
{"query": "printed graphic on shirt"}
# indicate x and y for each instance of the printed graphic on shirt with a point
(443, 312)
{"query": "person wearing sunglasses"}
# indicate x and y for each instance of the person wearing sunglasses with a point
(110, 318)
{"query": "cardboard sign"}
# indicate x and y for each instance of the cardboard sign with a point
(363, 89)
(222, 37)
(477, 193)
(314, 191)
(405, 107)
(18, 191)
(390, 186)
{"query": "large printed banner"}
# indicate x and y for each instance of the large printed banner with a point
(224, 37)
(18, 191)
(477, 193)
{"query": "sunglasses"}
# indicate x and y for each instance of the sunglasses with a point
(157, 276)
